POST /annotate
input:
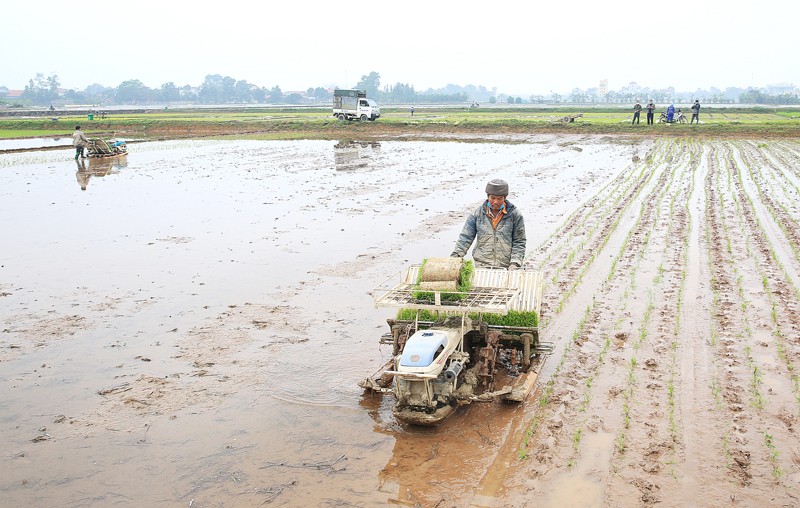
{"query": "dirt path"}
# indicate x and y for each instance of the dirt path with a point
(174, 336)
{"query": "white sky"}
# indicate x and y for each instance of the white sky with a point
(520, 47)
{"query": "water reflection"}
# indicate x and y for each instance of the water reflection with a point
(406, 477)
(83, 174)
(98, 167)
(435, 466)
(350, 155)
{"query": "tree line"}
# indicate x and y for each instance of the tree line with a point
(217, 89)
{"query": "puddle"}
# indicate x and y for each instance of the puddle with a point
(191, 327)
(15, 144)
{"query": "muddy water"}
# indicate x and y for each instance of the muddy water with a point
(190, 328)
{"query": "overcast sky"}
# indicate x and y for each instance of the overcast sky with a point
(520, 47)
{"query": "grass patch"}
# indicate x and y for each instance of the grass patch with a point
(411, 315)
(318, 123)
(527, 319)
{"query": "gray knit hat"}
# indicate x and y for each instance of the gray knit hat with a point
(497, 187)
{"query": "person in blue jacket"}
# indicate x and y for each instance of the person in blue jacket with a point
(670, 113)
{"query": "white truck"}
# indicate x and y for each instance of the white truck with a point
(353, 104)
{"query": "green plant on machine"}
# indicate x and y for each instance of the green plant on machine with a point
(414, 314)
(463, 285)
(521, 319)
(512, 318)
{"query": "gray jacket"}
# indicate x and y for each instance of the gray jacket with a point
(79, 138)
(494, 247)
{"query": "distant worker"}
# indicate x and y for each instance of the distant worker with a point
(637, 110)
(412, 110)
(79, 141)
(651, 111)
(670, 113)
(498, 230)
(696, 112)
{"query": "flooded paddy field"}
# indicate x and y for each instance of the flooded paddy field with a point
(189, 330)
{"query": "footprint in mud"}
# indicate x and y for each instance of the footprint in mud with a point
(649, 490)
(741, 466)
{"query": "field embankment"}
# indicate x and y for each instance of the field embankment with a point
(288, 123)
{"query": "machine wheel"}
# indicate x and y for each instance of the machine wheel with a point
(363, 118)
(340, 117)
(682, 119)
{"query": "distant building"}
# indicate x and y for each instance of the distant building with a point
(779, 88)
(633, 87)
(602, 90)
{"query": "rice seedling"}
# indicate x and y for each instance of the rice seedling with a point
(547, 391)
(726, 450)
(716, 390)
(756, 381)
(463, 285)
(620, 442)
(777, 472)
(576, 440)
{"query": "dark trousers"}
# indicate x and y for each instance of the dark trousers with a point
(649, 118)
(79, 151)
(635, 117)
(695, 116)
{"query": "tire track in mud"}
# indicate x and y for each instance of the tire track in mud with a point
(649, 442)
(595, 221)
(778, 284)
(780, 206)
(595, 338)
(733, 352)
(645, 438)
(589, 214)
(746, 414)
(643, 405)
(729, 386)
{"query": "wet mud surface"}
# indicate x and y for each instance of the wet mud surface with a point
(190, 329)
